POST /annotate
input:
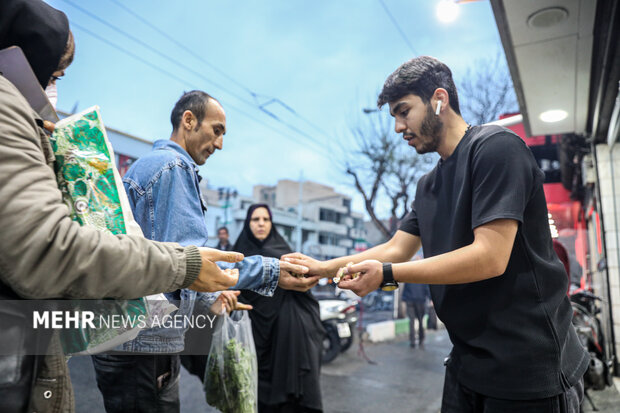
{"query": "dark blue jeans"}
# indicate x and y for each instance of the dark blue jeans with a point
(138, 383)
(459, 399)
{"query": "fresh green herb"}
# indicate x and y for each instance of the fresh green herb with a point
(231, 379)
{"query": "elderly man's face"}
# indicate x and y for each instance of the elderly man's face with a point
(205, 138)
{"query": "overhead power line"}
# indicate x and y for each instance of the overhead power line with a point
(181, 45)
(192, 53)
(153, 49)
(133, 55)
(402, 33)
(311, 139)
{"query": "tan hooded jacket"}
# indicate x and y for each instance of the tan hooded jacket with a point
(44, 254)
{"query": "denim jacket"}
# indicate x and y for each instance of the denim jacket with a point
(163, 192)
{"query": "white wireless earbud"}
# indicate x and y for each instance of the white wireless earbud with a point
(438, 107)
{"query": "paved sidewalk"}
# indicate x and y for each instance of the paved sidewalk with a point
(402, 380)
(606, 401)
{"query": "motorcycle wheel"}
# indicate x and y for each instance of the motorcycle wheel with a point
(331, 344)
(608, 364)
(345, 343)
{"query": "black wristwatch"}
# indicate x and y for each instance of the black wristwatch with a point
(388, 284)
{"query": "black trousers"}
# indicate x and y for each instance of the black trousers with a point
(459, 399)
(195, 364)
(138, 383)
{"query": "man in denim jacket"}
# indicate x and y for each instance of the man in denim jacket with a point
(165, 198)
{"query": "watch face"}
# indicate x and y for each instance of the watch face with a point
(390, 286)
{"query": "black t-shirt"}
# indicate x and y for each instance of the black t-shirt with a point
(512, 334)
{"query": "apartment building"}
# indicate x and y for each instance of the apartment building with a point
(329, 228)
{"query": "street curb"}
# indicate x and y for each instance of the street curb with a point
(389, 329)
(381, 331)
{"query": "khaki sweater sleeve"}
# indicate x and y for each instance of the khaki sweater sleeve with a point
(44, 254)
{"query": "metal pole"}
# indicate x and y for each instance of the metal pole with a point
(610, 340)
(396, 304)
(300, 211)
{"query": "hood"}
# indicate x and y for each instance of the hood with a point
(39, 30)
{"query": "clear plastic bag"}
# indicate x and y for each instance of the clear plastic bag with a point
(231, 376)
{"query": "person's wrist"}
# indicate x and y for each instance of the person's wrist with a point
(193, 265)
(324, 270)
(388, 283)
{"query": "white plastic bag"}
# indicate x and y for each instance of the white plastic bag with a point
(231, 376)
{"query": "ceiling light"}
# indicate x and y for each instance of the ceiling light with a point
(447, 11)
(554, 115)
(546, 18)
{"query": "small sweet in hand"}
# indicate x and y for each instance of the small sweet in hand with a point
(340, 273)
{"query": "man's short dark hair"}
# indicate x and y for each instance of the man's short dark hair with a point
(222, 228)
(420, 76)
(194, 101)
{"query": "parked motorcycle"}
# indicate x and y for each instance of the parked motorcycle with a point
(378, 301)
(588, 327)
(339, 318)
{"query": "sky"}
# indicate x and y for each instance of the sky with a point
(323, 60)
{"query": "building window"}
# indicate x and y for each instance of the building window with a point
(346, 203)
(358, 224)
(329, 215)
(328, 238)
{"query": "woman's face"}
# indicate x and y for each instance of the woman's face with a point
(260, 223)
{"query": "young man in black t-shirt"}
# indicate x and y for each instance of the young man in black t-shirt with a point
(496, 282)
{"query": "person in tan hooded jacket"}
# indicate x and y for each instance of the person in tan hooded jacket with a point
(43, 253)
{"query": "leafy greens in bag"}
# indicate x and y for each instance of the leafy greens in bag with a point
(231, 377)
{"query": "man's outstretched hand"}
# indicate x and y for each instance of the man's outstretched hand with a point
(212, 278)
(315, 267)
(228, 300)
(297, 282)
(369, 279)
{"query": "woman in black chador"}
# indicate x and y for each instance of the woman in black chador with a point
(287, 328)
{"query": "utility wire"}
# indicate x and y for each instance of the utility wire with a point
(152, 49)
(173, 61)
(181, 46)
(402, 33)
(317, 146)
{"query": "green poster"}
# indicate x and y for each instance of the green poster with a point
(85, 171)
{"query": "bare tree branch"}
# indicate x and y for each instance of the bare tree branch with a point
(486, 91)
(381, 165)
(368, 203)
